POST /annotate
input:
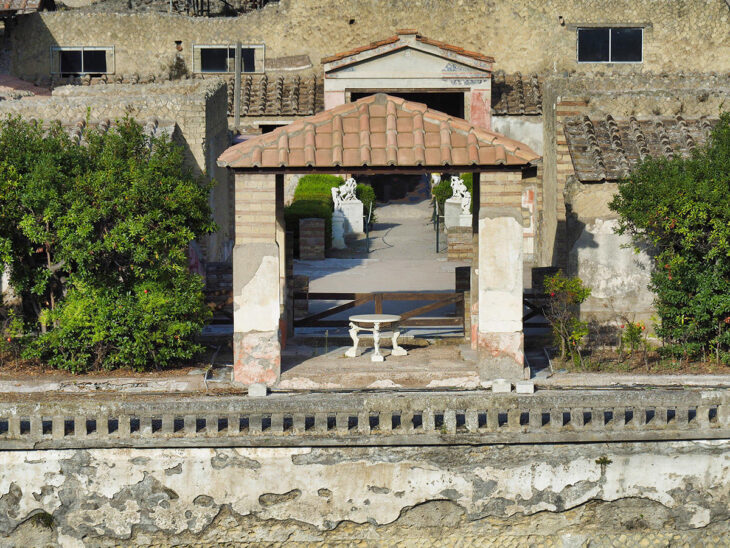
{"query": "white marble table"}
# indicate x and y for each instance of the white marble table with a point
(372, 322)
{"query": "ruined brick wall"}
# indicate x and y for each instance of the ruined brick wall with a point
(624, 494)
(678, 35)
(460, 243)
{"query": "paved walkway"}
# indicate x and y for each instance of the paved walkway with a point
(402, 254)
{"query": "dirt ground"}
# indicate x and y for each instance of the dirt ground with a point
(609, 361)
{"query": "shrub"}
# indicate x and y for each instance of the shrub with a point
(564, 297)
(109, 327)
(86, 229)
(319, 187)
(679, 209)
(442, 191)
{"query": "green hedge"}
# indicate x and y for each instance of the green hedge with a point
(442, 191)
(313, 199)
(319, 187)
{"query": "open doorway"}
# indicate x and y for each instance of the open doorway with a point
(448, 102)
(399, 267)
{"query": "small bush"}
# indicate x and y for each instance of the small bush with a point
(109, 328)
(442, 191)
(564, 297)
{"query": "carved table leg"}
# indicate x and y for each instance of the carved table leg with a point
(397, 350)
(377, 356)
(354, 330)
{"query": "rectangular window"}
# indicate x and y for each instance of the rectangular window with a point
(222, 58)
(610, 45)
(77, 61)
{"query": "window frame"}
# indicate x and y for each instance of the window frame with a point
(610, 40)
(198, 47)
(109, 50)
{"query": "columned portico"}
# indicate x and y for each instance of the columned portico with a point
(386, 135)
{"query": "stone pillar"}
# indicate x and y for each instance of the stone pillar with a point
(500, 338)
(256, 282)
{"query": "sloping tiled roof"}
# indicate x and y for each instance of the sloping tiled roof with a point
(606, 149)
(279, 95)
(77, 129)
(515, 94)
(377, 131)
(270, 95)
(419, 38)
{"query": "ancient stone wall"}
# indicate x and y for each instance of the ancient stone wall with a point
(678, 35)
(641, 494)
(577, 225)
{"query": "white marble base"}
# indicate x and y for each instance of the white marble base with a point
(353, 211)
(338, 230)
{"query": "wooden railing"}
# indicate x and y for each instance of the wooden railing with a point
(410, 318)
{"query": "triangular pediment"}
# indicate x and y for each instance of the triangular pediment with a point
(408, 62)
(405, 50)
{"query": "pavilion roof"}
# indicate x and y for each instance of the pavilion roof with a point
(377, 131)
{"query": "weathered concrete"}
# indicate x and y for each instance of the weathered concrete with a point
(256, 313)
(644, 494)
(500, 339)
(606, 262)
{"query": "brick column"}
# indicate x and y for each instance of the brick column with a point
(256, 282)
(500, 339)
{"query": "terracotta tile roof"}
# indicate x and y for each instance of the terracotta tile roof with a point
(272, 95)
(396, 38)
(279, 95)
(606, 149)
(515, 94)
(377, 131)
(78, 128)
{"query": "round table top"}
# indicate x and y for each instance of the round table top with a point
(373, 318)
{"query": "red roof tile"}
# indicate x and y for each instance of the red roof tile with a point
(406, 32)
(377, 131)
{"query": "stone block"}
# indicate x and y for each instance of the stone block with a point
(257, 390)
(338, 230)
(501, 355)
(501, 386)
(525, 387)
(257, 357)
(353, 212)
(452, 212)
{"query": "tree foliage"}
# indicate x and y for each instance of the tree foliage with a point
(680, 207)
(561, 311)
(96, 240)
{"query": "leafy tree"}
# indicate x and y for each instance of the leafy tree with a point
(96, 239)
(561, 311)
(680, 207)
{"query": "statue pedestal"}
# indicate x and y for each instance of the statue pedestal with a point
(465, 219)
(338, 229)
(352, 211)
(452, 212)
